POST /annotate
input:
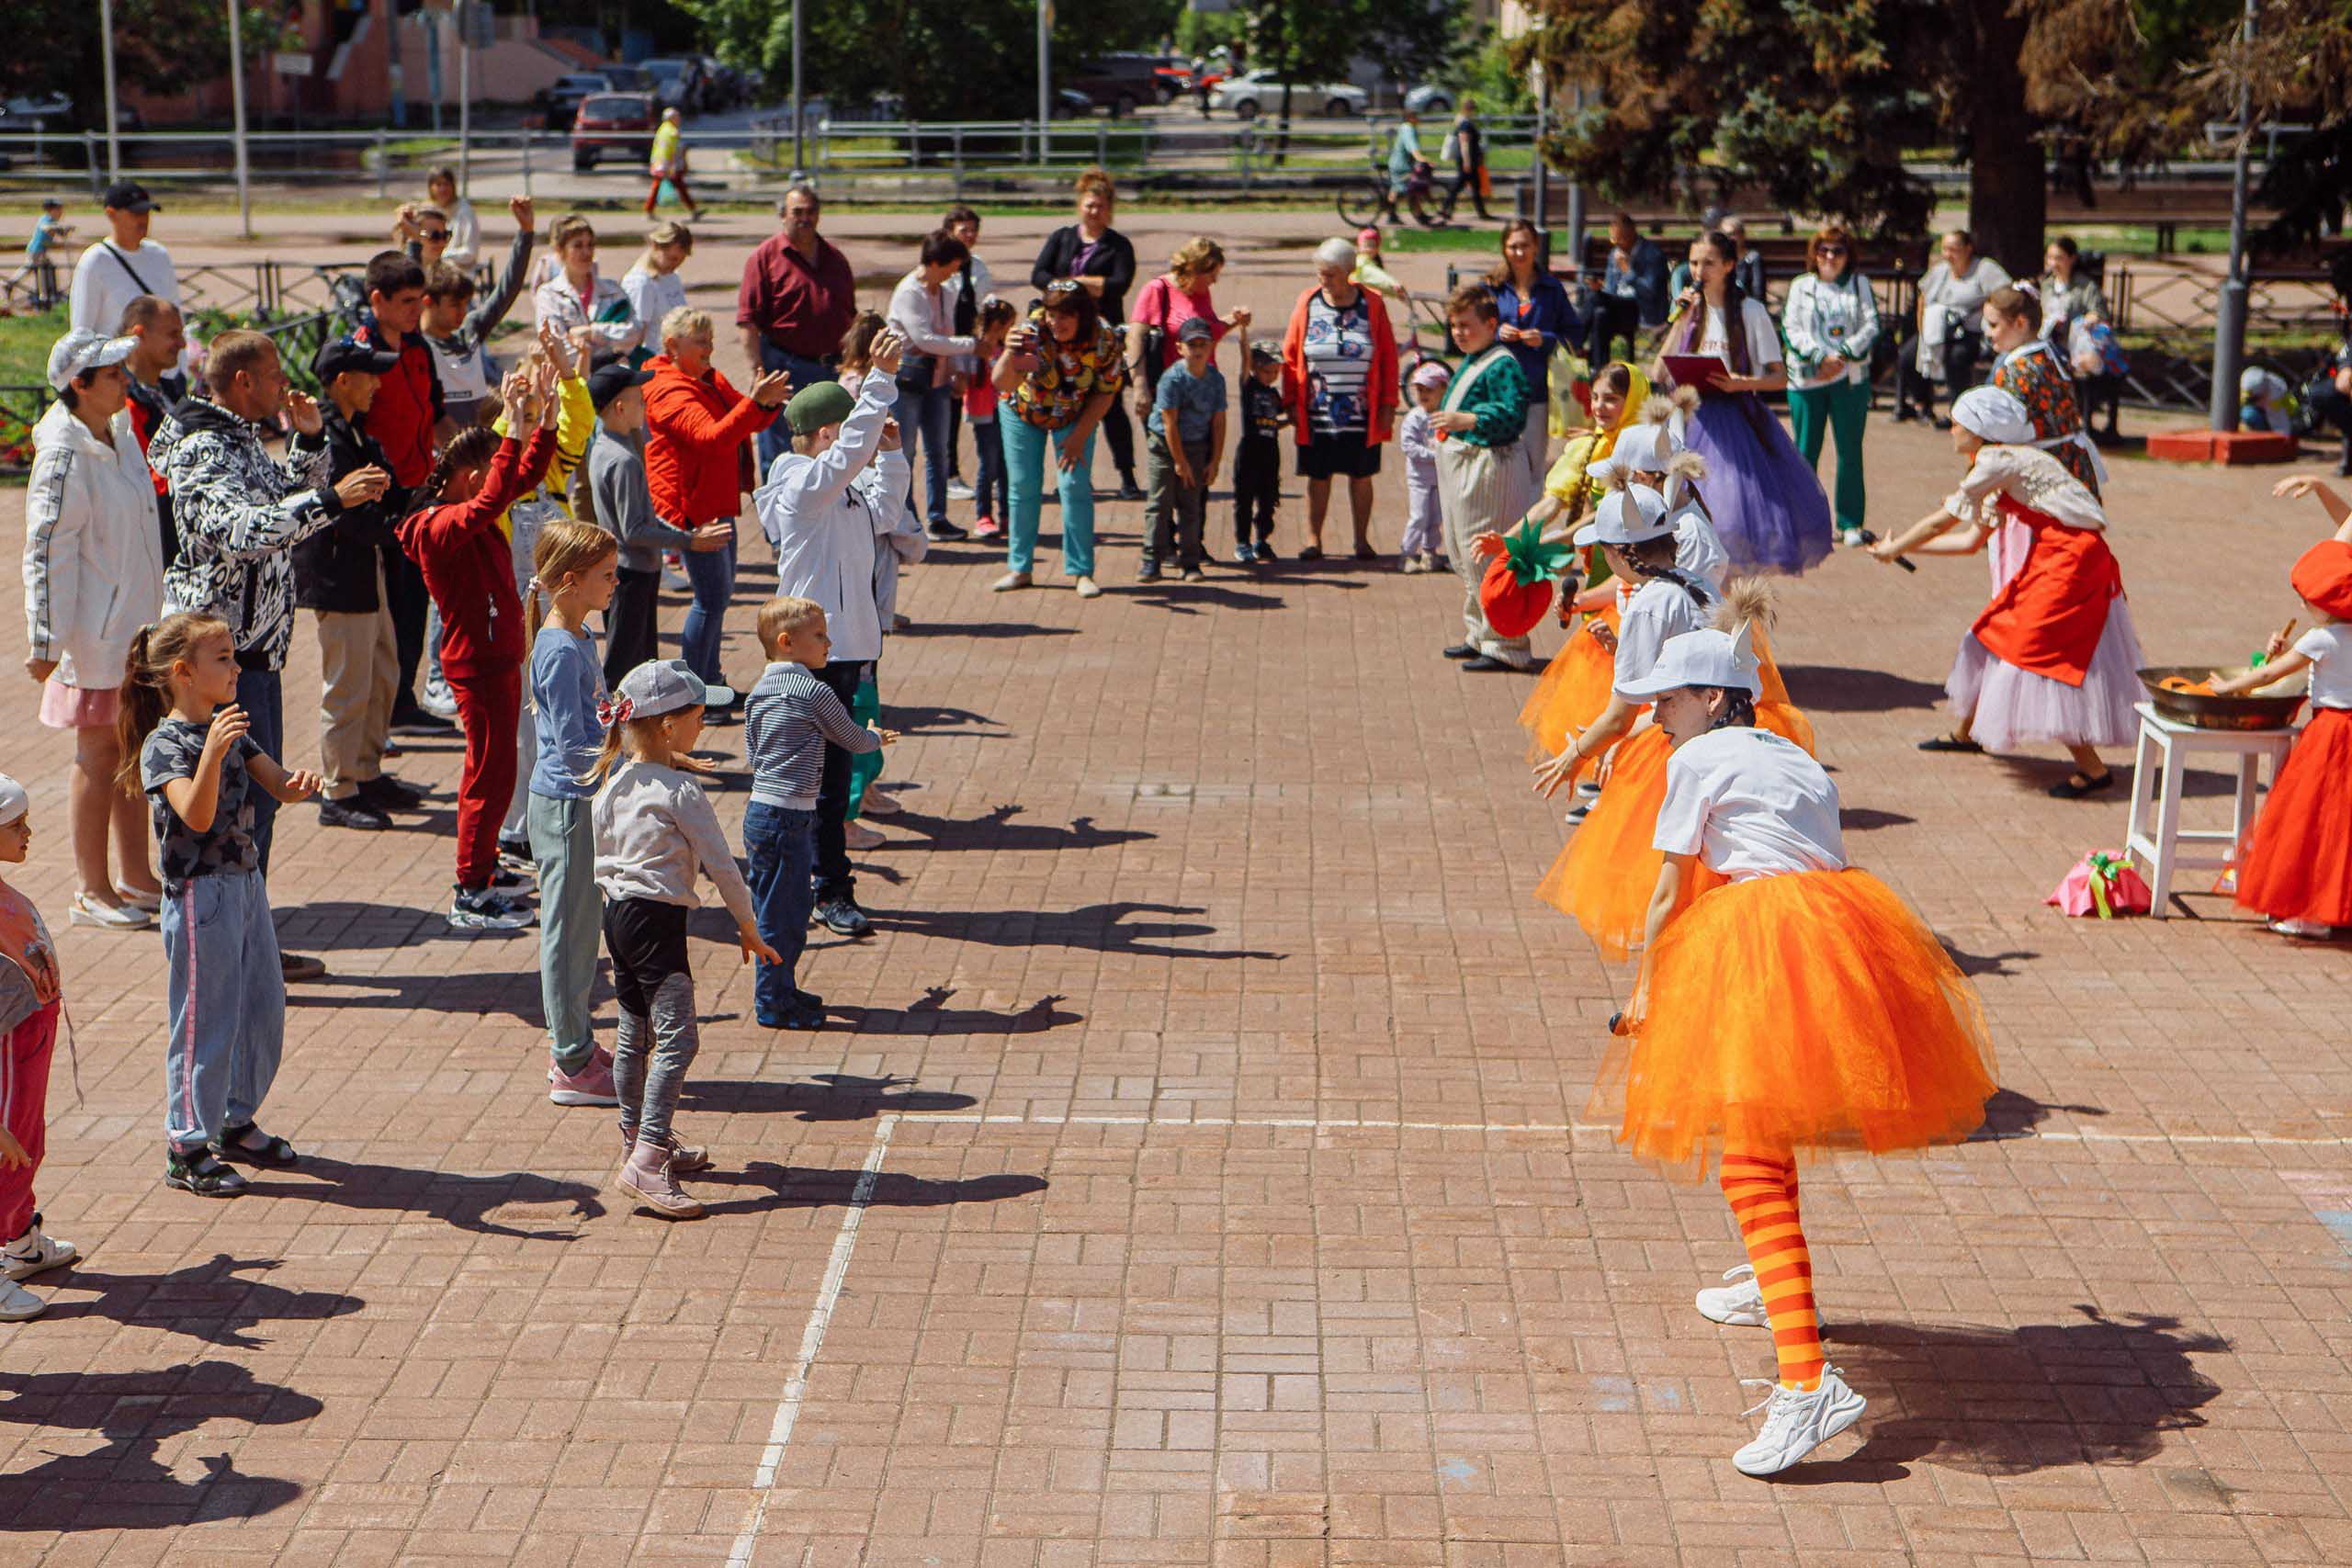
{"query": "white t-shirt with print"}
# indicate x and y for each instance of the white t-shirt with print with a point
(1763, 337)
(2329, 647)
(1749, 804)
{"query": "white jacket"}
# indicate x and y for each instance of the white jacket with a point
(825, 516)
(93, 548)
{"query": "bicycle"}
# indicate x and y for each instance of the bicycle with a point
(1370, 201)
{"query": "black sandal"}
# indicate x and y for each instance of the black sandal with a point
(2068, 789)
(198, 1172)
(273, 1153)
(1312, 552)
(1950, 743)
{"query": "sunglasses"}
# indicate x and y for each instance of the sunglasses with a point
(435, 235)
(1833, 250)
(1063, 285)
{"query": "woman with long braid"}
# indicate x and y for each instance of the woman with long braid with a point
(1795, 1005)
(1767, 501)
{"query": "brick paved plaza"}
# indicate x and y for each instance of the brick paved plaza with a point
(1197, 1171)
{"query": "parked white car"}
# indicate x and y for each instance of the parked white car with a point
(1259, 92)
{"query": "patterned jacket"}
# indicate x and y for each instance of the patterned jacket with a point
(240, 514)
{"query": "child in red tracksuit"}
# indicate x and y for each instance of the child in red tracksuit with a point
(468, 567)
(29, 1004)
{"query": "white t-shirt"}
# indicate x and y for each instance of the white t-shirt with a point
(1699, 549)
(1749, 804)
(1763, 337)
(2329, 647)
(1660, 611)
(104, 285)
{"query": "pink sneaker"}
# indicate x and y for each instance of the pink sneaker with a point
(648, 1175)
(987, 527)
(591, 1084)
(685, 1159)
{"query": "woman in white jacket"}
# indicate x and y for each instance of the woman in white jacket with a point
(93, 575)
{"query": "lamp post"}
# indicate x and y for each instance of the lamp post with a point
(2229, 327)
(1542, 127)
(799, 163)
(114, 120)
(1044, 80)
(237, 110)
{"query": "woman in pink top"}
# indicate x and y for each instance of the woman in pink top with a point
(1168, 302)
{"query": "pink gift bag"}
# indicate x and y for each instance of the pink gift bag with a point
(2101, 884)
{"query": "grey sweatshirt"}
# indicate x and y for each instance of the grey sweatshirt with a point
(624, 505)
(655, 832)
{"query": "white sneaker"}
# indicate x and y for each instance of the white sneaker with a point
(1010, 581)
(1089, 588)
(33, 1252)
(2315, 931)
(1800, 1420)
(1851, 539)
(1739, 1304)
(87, 911)
(858, 836)
(877, 804)
(1588, 790)
(18, 1304)
(958, 491)
(437, 699)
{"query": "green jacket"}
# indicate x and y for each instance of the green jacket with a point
(1489, 385)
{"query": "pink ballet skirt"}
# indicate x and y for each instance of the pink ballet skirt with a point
(2015, 708)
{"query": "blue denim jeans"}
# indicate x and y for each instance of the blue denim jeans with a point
(261, 694)
(1029, 455)
(712, 574)
(227, 1000)
(781, 847)
(989, 491)
(922, 418)
(776, 439)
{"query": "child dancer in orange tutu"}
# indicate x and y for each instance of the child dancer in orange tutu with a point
(1797, 1005)
(2298, 870)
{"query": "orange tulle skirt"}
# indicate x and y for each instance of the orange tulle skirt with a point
(1604, 877)
(1797, 1014)
(2298, 866)
(1572, 692)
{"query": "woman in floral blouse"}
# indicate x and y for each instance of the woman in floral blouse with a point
(2031, 372)
(1059, 374)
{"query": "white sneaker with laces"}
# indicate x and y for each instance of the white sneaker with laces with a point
(18, 1304)
(958, 491)
(1799, 1420)
(1739, 1303)
(34, 1251)
(437, 699)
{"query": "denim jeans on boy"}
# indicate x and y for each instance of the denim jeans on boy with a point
(924, 415)
(227, 1000)
(563, 843)
(781, 846)
(712, 574)
(1030, 454)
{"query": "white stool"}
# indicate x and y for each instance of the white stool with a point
(2156, 838)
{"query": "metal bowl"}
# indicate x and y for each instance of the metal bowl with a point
(2202, 712)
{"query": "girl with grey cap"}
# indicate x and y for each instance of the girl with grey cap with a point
(93, 575)
(656, 833)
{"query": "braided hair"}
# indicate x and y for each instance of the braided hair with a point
(470, 448)
(1653, 559)
(1739, 711)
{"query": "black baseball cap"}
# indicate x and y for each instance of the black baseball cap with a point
(610, 381)
(129, 196)
(339, 354)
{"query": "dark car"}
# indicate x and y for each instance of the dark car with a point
(614, 123)
(1120, 83)
(679, 82)
(563, 100)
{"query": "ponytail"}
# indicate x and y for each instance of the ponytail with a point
(582, 494)
(565, 547)
(1739, 711)
(635, 737)
(470, 448)
(156, 649)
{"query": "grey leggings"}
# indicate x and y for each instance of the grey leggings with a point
(658, 1036)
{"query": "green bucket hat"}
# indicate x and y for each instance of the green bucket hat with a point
(813, 408)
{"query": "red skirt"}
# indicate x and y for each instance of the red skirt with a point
(2298, 866)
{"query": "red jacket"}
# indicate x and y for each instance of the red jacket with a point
(696, 443)
(407, 406)
(468, 564)
(1379, 387)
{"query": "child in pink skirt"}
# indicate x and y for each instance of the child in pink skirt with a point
(29, 1005)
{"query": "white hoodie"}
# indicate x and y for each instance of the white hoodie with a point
(93, 548)
(825, 514)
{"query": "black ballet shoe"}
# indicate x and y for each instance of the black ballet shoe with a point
(1950, 743)
(2074, 786)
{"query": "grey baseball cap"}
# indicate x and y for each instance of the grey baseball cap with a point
(666, 685)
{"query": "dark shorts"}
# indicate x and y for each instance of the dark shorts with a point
(1338, 457)
(647, 940)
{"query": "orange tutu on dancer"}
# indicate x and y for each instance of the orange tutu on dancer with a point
(2298, 868)
(1797, 1005)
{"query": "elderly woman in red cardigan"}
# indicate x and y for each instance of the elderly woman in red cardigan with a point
(1340, 374)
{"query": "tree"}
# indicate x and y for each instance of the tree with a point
(161, 46)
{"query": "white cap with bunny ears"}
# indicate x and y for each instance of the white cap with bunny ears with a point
(14, 801)
(1629, 516)
(1704, 658)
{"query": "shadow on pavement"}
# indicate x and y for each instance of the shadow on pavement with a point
(995, 830)
(1095, 928)
(2000, 1401)
(1835, 688)
(207, 1301)
(987, 631)
(464, 1201)
(829, 1096)
(801, 1187)
(1975, 964)
(125, 1486)
(2009, 1114)
(932, 1015)
(1866, 819)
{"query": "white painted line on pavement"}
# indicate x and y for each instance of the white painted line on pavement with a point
(812, 1339)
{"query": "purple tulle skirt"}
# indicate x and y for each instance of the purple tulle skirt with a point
(2014, 707)
(1766, 503)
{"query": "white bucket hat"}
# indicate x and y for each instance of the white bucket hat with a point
(1704, 658)
(1630, 516)
(1995, 414)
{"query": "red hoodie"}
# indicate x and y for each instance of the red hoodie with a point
(407, 406)
(468, 565)
(695, 444)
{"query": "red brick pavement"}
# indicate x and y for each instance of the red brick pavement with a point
(1231, 1200)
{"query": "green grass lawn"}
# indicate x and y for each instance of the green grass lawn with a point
(24, 347)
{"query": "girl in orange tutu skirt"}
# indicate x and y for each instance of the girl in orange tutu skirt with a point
(2297, 869)
(1795, 1006)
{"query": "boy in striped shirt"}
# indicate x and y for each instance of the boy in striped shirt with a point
(789, 717)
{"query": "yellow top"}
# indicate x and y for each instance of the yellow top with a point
(575, 420)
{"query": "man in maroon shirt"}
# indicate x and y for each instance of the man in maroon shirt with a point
(797, 298)
(403, 420)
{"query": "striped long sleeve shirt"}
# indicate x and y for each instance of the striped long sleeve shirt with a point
(789, 717)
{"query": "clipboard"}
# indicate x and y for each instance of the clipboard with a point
(1694, 370)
